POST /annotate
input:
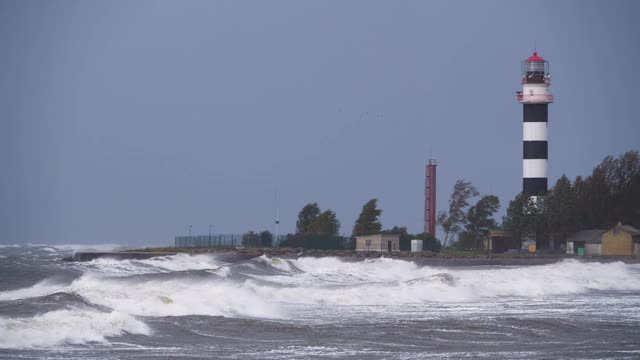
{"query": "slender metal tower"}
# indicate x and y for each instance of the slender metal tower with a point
(535, 98)
(277, 222)
(430, 198)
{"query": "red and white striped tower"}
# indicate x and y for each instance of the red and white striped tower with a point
(535, 98)
(430, 198)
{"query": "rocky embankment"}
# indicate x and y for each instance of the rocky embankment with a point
(422, 258)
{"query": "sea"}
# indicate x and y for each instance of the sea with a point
(200, 307)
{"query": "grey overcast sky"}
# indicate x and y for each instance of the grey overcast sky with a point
(126, 121)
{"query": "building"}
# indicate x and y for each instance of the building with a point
(416, 245)
(622, 240)
(498, 242)
(379, 242)
(585, 243)
(535, 98)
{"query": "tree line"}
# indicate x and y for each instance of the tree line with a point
(611, 194)
(321, 229)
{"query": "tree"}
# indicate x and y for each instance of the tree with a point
(325, 224)
(447, 224)
(623, 180)
(250, 238)
(266, 238)
(479, 218)
(580, 190)
(306, 217)
(520, 219)
(561, 211)
(367, 223)
(466, 241)
(405, 237)
(451, 223)
(598, 200)
(315, 229)
(289, 241)
(610, 194)
(396, 230)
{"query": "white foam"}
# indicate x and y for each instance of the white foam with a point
(160, 264)
(330, 281)
(175, 297)
(66, 327)
(42, 288)
(2, 246)
(389, 282)
(183, 262)
(324, 281)
(115, 267)
(87, 247)
(277, 263)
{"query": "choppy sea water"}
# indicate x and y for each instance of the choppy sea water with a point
(184, 307)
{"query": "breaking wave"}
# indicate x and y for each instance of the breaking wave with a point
(175, 297)
(81, 247)
(389, 281)
(180, 285)
(42, 288)
(67, 327)
(3, 246)
(160, 264)
(255, 286)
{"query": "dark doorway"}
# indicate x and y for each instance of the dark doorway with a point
(389, 245)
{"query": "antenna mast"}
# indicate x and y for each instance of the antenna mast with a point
(277, 217)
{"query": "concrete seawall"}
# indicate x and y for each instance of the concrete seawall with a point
(141, 255)
(428, 260)
(119, 255)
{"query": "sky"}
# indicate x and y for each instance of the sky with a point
(127, 121)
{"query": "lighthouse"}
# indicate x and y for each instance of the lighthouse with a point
(535, 99)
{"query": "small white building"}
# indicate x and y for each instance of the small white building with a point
(585, 243)
(379, 242)
(416, 245)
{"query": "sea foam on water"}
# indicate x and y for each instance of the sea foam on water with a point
(123, 292)
(74, 326)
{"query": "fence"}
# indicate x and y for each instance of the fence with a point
(214, 241)
(327, 242)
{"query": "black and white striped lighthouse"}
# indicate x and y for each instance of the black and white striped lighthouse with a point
(535, 98)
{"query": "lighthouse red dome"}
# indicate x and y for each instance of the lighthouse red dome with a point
(535, 57)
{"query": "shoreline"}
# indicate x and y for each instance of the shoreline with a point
(421, 258)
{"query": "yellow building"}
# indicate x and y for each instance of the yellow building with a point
(622, 240)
